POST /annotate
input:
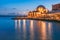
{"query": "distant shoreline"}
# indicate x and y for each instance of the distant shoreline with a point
(12, 15)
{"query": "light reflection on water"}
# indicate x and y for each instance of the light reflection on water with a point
(50, 31)
(28, 30)
(24, 29)
(31, 30)
(44, 33)
(17, 24)
(17, 29)
(43, 30)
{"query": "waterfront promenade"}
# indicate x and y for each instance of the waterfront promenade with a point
(42, 19)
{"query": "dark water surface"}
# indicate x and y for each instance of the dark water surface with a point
(28, 29)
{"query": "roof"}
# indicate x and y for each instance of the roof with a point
(56, 4)
(40, 6)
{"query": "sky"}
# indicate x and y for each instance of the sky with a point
(23, 6)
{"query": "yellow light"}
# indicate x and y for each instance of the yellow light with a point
(40, 9)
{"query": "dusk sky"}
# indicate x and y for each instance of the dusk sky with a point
(7, 6)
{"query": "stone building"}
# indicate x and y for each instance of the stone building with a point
(40, 11)
(56, 7)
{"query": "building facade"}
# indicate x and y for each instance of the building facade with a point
(56, 7)
(40, 12)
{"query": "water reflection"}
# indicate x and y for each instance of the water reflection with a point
(43, 29)
(17, 24)
(17, 29)
(31, 30)
(24, 29)
(50, 30)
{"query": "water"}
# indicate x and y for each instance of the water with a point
(28, 29)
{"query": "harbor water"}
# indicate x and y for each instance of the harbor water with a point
(28, 29)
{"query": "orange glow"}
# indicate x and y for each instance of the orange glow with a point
(41, 9)
(31, 30)
(43, 30)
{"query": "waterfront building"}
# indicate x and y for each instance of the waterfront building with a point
(55, 11)
(42, 12)
(34, 14)
(56, 7)
(41, 9)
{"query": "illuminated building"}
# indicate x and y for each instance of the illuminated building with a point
(55, 13)
(34, 14)
(40, 11)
